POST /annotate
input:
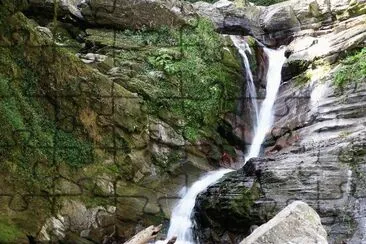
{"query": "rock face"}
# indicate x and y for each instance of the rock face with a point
(228, 18)
(311, 28)
(124, 14)
(297, 223)
(106, 102)
(316, 153)
(136, 14)
(317, 156)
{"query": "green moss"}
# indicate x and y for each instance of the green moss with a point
(302, 79)
(245, 201)
(32, 133)
(9, 232)
(353, 69)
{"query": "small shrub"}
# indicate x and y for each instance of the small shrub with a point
(352, 70)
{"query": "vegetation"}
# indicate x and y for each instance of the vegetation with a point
(35, 140)
(28, 128)
(186, 74)
(201, 77)
(46, 137)
(353, 69)
(8, 232)
(302, 79)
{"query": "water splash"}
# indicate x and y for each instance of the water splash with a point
(276, 59)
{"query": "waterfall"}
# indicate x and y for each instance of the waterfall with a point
(181, 220)
(242, 47)
(276, 59)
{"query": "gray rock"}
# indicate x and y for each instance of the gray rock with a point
(44, 32)
(229, 19)
(64, 7)
(291, 21)
(296, 224)
(317, 155)
(53, 229)
(75, 217)
(150, 14)
(92, 58)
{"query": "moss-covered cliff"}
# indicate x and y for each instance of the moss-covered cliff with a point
(104, 121)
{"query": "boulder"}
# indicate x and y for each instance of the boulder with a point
(229, 19)
(297, 223)
(75, 217)
(64, 7)
(136, 14)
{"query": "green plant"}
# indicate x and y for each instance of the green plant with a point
(164, 61)
(353, 69)
(200, 76)
(8, 232)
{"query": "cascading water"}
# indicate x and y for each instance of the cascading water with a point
(276, 59)
(242, 47)
(181, 220)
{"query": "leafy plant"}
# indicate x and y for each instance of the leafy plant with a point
(163, 61)
(353, 69)
(201, 77)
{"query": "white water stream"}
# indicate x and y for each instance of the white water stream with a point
(242, 47)
(181, 220)
(276, 59)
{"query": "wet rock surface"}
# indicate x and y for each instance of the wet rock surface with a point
(316, 156)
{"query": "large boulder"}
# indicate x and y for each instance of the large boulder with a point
(297, 223)
(147, 14)
(230, 19)
(136, 14)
